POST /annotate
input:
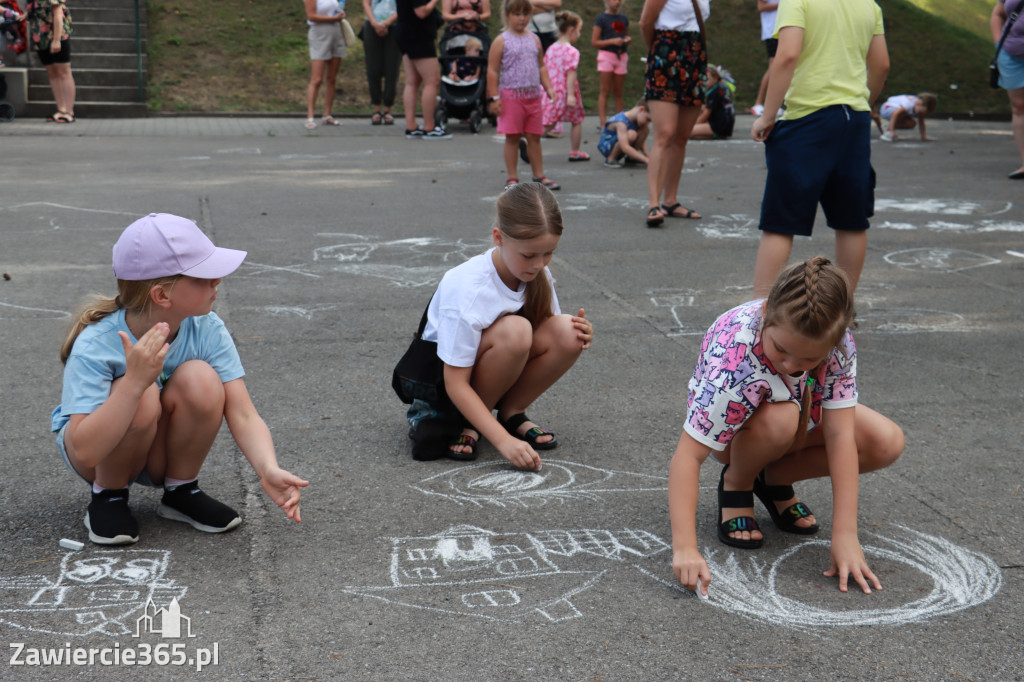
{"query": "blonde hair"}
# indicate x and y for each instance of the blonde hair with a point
(473, 42)
(132, 295)
(526, 211)
(814, 299)
(567, 20)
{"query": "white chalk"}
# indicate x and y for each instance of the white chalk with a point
(71, 544)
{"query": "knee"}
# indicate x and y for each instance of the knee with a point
(774, 425)
(564, 338)
(884, 448)
(511, 334)
(196, 386)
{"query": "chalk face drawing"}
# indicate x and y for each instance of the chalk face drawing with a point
(497, 484)
(961, 579)
(510, 577)
(414, 262)
(100, 592)
(939, 260)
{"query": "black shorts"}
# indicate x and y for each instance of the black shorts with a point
(771, 46)
(62, 57)
(416, 40)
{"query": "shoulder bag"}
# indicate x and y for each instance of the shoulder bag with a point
(419, 375)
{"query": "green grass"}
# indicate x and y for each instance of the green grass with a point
(251, 55)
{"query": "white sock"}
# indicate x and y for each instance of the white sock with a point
(172, 483)
(97, 488)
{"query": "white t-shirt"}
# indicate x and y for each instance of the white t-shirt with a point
(768, 24)
(327, 8)
(678, 15)
(895, 103)
(468, 300)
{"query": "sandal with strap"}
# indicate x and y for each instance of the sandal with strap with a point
(579, 155)
(549, 183)
(740, 499)
(515, 421)
(377, 119)
(670, 211)
(787, 518)
(462, 441)
(511, 182)
(389, 120)
(654, 216)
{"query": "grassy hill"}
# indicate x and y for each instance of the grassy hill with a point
(251, 55)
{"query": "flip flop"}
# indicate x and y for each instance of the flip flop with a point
(547, 182)
(670, 211)
(654, 216)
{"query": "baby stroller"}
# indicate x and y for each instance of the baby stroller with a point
(6, 108)
(462, 99)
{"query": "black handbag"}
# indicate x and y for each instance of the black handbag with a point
(993, 65)
(419, 375)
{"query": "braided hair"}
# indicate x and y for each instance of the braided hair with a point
(813, 298)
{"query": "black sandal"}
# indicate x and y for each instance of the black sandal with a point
(787, 518)
(463, 441)
(741, 499)
(654, 217)
(531, 436)
(670, 211)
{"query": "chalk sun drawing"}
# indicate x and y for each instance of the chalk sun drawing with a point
(413, 262)
(95, 593)
(470, 571)
(932, 259)
(961, 579)
(497, 484)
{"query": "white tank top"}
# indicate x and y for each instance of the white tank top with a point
(677, 15)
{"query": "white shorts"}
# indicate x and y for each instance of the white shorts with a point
(326, 42)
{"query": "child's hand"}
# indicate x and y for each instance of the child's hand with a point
(495, 107)
(691, 570)
(627, 40)
(145, 360)
(584, 330)
(520, 454)
(285, 490)
(848, 559)
(551, 93)
(570, 101)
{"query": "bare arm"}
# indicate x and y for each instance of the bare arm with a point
(878, 67)
(311, 14)
(997, 21)
(424, 11)
(683, 486)
(648, 17)
(570, 88)
(493, 72)
(622, 131)
(841, 450)
(763, 6)
(254, 440)
(791, 41)
(58, 29)
(469, 404)
(546, 5)
(545, 79)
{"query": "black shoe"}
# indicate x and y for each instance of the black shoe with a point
(522, 151)
(188, 504)
(415, 134)
(109, 520)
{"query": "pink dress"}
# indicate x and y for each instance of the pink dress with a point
(560, 59)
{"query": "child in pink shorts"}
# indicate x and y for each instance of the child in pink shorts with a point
(611, 38)
(516, 78)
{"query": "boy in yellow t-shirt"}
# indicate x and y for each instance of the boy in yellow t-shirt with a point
(830, 65)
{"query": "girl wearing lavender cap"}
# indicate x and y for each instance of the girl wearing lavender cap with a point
(148, 377)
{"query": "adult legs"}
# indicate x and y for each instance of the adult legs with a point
(316, 78)
(62, 83)
(772, 254)
(1017, 122)
(392, 61)
(373, 49)
(412, 85)
(330, 84)
(430, 74)
(672, 124)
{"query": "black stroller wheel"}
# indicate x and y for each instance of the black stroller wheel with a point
(6, 112)
(475, 121)
(440, 117)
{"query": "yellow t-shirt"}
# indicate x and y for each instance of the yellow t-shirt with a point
(832, 68)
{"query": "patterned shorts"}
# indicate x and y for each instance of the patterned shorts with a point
(676, 68)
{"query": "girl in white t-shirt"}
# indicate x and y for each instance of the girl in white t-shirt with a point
(774, 396)
(500, 332)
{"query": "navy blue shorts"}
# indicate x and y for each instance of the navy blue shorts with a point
(824, 158)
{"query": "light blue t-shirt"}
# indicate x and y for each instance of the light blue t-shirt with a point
(97, 358)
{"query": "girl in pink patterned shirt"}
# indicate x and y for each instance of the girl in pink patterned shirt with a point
(774, 396)
(515, 97)
(562, 60)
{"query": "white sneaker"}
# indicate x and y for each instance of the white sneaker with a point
(438, 133)
(886, 137)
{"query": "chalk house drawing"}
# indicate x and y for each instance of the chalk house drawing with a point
(413, 262)
(100, 592)
(471, 571)
(497, 484)
(961, 579)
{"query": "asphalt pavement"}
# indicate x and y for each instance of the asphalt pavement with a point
(472, 571)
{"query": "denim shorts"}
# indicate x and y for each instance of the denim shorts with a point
(141, 479)
(825, 158)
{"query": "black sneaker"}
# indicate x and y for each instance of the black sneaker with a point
(438, 133)
(522, 151)
(109, 520)
(188, 504)
(416, 134)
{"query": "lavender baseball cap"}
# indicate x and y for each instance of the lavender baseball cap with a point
(162, 245)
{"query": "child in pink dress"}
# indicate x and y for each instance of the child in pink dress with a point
(562, 60)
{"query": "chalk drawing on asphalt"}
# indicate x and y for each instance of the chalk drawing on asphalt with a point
(880, 320)
(38, 216)
(412, 262)
(961, 579)
(936, 259)
(733, 226)
(96, 592)
(10, 311)
(496, 483)
(470, 571)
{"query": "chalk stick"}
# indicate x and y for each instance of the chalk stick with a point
(71, 544)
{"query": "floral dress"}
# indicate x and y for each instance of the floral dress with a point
(560, 59)
(40, 22)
